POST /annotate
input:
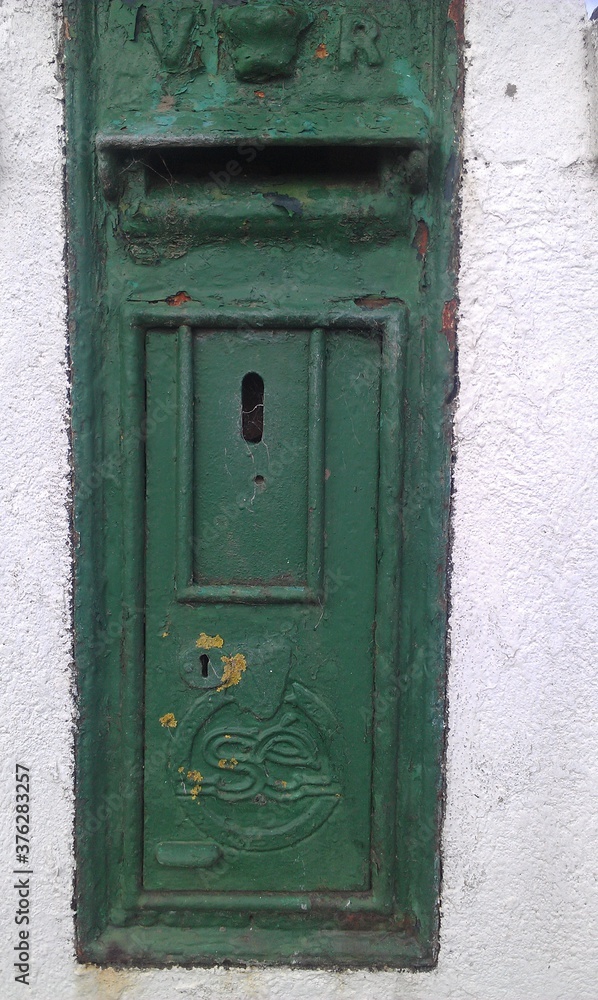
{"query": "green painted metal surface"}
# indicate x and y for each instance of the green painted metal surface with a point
(262, 309)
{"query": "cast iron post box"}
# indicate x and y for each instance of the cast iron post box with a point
(263, 311)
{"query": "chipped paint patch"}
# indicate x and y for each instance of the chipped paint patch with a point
(234, 668)
(321, 51)
(168, 721)
(167, 103)
(209, 641)
(229, 765)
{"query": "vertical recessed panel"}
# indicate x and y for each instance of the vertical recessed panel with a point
(251, 466)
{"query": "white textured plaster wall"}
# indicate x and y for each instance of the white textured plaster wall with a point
(520, 898)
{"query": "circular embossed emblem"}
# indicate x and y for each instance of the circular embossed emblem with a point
(255, 784)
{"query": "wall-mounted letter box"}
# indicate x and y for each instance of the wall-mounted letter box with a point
(262, 334)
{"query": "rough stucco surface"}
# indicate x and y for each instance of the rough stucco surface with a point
(520, 899)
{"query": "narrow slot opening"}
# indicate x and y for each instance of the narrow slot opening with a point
(252, 407)
(227, 166)
(205, 664)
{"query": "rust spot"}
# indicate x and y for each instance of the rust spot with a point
(449, 322)
(321, 51)
(259, 93)
(456, 13)
(361, 921)
(421, 239)
(178, 299)
(375, 301)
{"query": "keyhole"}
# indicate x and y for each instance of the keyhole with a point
(205, 663)
(252, 407)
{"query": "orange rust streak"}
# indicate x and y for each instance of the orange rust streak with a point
(449, 322)
(375, 301)
(422, 238)
(456, 13)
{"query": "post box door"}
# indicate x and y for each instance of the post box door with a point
(261, 619)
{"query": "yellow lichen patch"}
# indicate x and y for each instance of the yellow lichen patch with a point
(168, 721)
(165, 635)
(228, 764)
(281, 783)
(197, 777)
(181, 769)
(227, 737)
(234, 668)
(209, 641)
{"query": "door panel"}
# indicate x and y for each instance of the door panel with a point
(266, 703)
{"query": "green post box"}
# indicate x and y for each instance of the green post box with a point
(262, 302)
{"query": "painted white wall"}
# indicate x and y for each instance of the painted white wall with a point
(520, 897)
